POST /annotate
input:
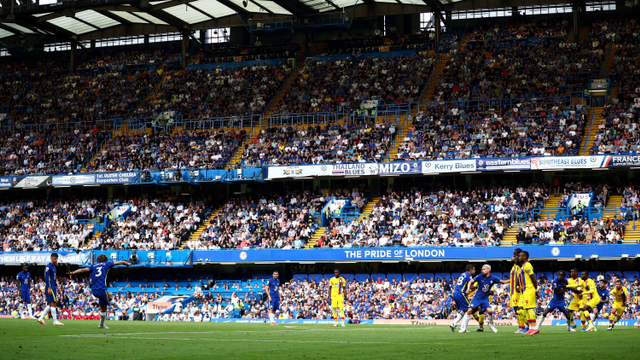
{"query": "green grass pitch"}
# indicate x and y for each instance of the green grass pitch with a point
(26, 339)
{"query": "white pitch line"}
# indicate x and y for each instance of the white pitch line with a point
(298, 329)
(336, 341)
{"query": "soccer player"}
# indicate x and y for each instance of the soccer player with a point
(515, 293)
(460, 295)
(620, 298)
(590, 299)
(559, 286)
(337, 287)
(51, 290)
(24, 280)
(528, 286)
(273, 292)
(480, 301)
(575, 285)
(603, 292)
(98, 283)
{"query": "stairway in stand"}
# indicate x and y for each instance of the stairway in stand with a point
(591, 130)
(368, 209)
(510, 236)
(427, 95)
(196, 234)
(552, 206)
(631, 235)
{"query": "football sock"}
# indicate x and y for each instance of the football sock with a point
(540, 319)
(54, 314)
(520, 319)
(490, 317)
(637, 320)
(272, 317)
(465, 322)
(611, 318)
(531, 318)
(583, 319)
(103, 317)
(342, 318)
(21, 310)
(571, 321)
(45, 312)
(476, 316)
(587, 317)
(481, 321)
(30, 309)
(459, 317)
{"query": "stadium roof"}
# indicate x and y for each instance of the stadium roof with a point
(92, 19)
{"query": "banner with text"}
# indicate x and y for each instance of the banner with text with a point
(5, 182)
(43, 258)
(357, 169)
(446, 166)
(31, 181)
(503, 164)
(411, 254)
(68, 180)
(566, 162)
(399, 168)
(621, 161)
(118, 178)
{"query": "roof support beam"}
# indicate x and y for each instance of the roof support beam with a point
(114, 17)
(297, 8)
(168, 18)
(262, 7)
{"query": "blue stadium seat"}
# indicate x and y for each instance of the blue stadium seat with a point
(315, 277)
(410, 277)
(374, 277)
(617, 273)
(629, 275)
(454, 277)
(361, 277)
(349, 277)
(397, 277)
(426, 276)
(327, 276)
(299, 277)
(445, 276)
(592, 274)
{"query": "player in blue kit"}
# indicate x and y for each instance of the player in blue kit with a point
(480, 301)
(273, 292)
(603, 292)
(559, 286)
(24, 281)
(98, 281)
(50, 291)
(460, 294)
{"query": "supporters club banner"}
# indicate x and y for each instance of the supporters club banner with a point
(412, 254)
(67, 180)
(31, 181)
(566, 162)
(621, 161)
(446, 166)
(357, 169)
(118, 178)
(5, 182)
(503, 164)
(43, 258)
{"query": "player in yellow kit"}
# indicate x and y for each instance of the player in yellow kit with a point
(528, 285)
(515, 291)
(590, 299)
(575, 285)
(620, 299)
(337, 287)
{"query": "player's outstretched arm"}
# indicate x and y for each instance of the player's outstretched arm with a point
(121, 262)
(503, 282)
(79, 271)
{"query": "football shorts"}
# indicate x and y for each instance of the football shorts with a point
(528, 299)
(337, 302)
(515, 299)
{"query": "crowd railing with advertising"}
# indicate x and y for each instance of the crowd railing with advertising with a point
(187, 258)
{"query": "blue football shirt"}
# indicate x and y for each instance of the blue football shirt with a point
(484, 286)
(24, 279)
(463, 282)
(99, 273)
(556, 284)
(604, 294)
(274, 285)
(50, 278)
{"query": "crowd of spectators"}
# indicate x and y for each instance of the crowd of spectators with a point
(373, 298)
(523, 70)
(612, 28)
(518, 30)
(281, 221)
(341, 84)
(348, 143)
(51, 150)
(98, 94)
(47, 225)
(528, 128)
(121, 57)
(572, 231)
(195, 149)
(440, 217)
(204, 94)
(224, 52)
(152, 224)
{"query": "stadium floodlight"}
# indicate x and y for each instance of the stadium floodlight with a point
(199, 259)
(625, 256)
(594, 256)
(578, 256)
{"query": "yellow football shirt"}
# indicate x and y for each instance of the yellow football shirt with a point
(589, 289)
(337, 286)
(515, 279)
(576, 284)
(618, 298)
(527, 271)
